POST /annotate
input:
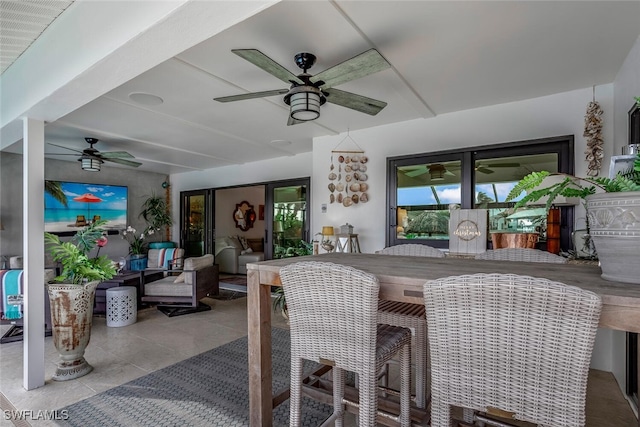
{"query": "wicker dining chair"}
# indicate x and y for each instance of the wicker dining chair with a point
(411, 316)
(342, 332)
(511, 346)
(522, 254)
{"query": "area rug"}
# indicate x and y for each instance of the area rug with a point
(210, 389)
(234, 280)
(228, 294)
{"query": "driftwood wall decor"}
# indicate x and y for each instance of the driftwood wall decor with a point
(593, 134)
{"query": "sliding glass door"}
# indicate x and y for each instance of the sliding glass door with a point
(287, 218)
(196, 223)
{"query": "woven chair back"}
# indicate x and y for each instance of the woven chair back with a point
(332, 312)
(516, 343)
(522, 254)
(412, 249)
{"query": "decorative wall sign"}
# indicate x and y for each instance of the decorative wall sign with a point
(468, 231)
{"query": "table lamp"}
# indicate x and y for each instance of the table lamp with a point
(327, 244)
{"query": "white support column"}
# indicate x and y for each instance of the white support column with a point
(33, 238)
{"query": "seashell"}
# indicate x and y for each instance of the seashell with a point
(339, 198)
(355, 198)
(354, 187)
(332, 176)
(340, 186)
(332, 187)
(364, 186)
(331, 168)
(355, 159)
(348, 168)
(332, 198)
(355, 166)
(363, 168)
(364, 159)
(346, 202)
(356, 175)
(347, 159)
(339, 177)
(340, 159)
(362, 177)
(348, 178)
(364, 197)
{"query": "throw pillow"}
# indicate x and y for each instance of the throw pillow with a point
(243, 242)
(233, 241)
(246, 251)
(179, 279)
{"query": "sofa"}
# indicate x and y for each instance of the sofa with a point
(232, 253)
(184, 287)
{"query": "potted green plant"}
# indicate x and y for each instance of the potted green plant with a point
(137, 248)
(155, 213)
(72, 293)
(613, 214)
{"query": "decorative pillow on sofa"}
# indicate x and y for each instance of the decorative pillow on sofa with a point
(243, 242)
(179, 278)
(233, 241)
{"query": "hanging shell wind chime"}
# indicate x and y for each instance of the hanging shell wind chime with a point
(593, 134)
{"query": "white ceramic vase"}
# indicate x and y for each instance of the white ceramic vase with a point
(71, 319)
(614, 223)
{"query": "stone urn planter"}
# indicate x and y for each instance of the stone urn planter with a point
(71, 319)
(614, 222)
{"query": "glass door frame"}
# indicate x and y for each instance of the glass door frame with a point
(269, 208)
(209, 226)
(563, 146)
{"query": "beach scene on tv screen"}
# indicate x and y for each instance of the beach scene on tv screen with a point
(85, 203)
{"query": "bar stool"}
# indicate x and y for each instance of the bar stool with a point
(411, 316)
(344, 334)
(511, 346)
(121, 306)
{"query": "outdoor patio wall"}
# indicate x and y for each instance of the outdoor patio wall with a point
(140, 184)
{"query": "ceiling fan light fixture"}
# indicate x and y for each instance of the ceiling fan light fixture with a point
(305, 102)
(436, 172)
(90, 164)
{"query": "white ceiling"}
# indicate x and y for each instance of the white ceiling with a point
(444, 56)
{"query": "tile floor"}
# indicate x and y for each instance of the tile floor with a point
(121, 354)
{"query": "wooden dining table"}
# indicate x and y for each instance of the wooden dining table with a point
(401, 279)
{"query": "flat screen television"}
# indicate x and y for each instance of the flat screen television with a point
(84, 203)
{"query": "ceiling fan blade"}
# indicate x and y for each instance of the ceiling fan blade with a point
(417, 172)
(261, 60)
(115, 155)
(366, 63)
(483, 169)
(448, 172)
(123, 162)
(251, 95)
(355, 102)
(66, 148)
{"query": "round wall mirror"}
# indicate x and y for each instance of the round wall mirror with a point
(244, 216)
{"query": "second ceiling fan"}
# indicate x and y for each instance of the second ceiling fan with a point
(308, 92)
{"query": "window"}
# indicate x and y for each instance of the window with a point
(424, 187)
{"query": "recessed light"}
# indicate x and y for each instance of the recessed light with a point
(145, 98)
(280, 142)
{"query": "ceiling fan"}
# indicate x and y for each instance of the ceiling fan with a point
(436, 170)
(308, 92)
(487, 168)
(91, 158)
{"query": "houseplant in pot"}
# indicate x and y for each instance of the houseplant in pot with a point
(72, 293)
(155, 213)
(137, 249)
(613, 213)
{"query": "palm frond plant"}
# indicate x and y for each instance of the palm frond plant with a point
(155, 213)
(77, 266)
